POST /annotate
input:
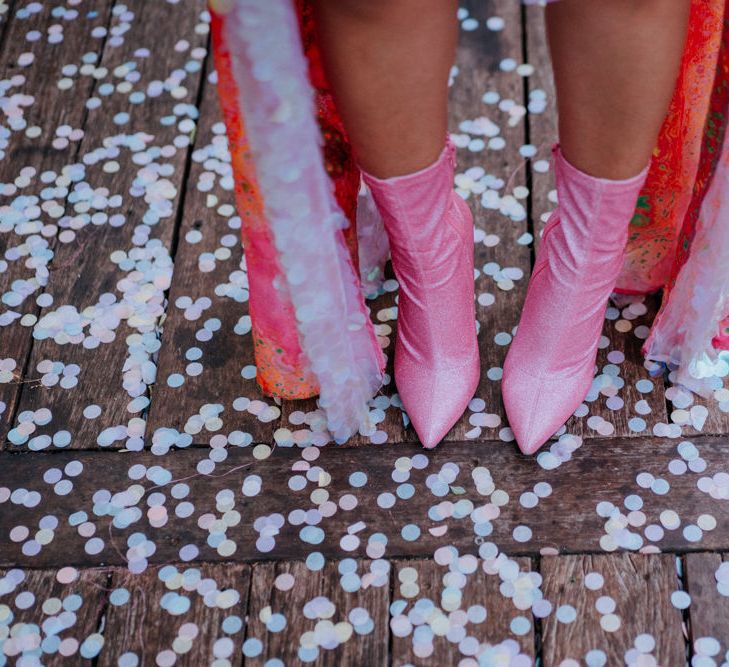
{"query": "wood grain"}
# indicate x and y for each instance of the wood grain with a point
(709, 610)
(142, 626)
(480, 590)
(639, 588)
(542, 121)
(89, 585)
(299, 605)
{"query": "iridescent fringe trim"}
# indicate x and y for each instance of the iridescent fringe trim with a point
(682, 335)
(372, 243)
(277, 100)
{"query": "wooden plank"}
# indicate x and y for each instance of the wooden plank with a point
(116, 263)
(42, 64)
(209, 228)
(709, 610)
(630, 611)
(40, 599)
(541, 121)
(195, 615)
(604, 471)
(629, 397)
(316, 606)
(627, 410)
(500, 293)
(478, 614)
(696, 414)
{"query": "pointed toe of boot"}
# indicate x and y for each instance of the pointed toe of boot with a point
(538, 407)
(435, 399)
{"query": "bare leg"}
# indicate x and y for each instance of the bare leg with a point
(615, 67)
(388, 63)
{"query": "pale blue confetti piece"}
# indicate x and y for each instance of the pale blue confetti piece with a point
(119, 597)
(405, 491)
(315, 561)
(232, 625)
(276, 623)
(520, 625)
(358, 479)
(312, 535)
(410, 532)
(252, 647)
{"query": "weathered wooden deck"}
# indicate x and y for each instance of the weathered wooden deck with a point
(190, 520)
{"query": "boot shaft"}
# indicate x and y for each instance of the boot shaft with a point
(413, 206)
